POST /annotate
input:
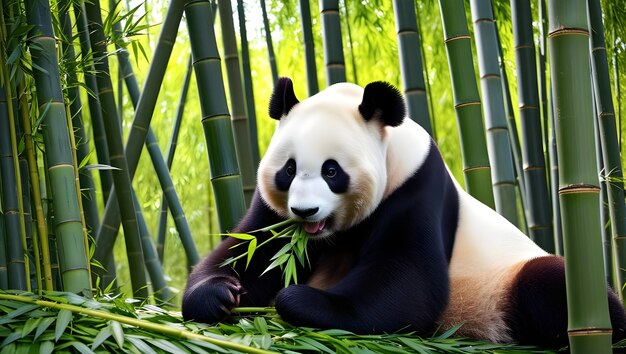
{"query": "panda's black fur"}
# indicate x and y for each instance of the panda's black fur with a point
(390, 271)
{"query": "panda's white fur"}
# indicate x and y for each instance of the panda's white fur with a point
(490, 280)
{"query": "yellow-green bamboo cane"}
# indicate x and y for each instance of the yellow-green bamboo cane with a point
(612, 171)
(40, 221)
(589, 326)
(225, 177)
(539, 216)
(498, 142)
(333, 44)
(466, 101)
(239, 119)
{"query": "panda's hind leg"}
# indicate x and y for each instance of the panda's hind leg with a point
(537, 305)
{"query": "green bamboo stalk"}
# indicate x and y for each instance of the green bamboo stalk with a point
(268, 41)
(40, 222)
(605, 226)
(589, 327)
(466, 101)
(4, 275)
(32, 242)
(171, 150)
(247, 83)
(346, 21)
(17, 275)
(411, 63)
(333, 47)
(141, 120)
(48, 209)
(539, 216)
(121, 177)
(225, 178)
(167, 185)
(95, 112)
(542, 81)
(498, 143)
(87, 187)
(309, 48)
(74, 266)
(612, 168)
(153, 265)
(554, 184)
(433, 121)
(237, 104)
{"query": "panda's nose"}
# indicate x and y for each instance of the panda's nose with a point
(304, 213)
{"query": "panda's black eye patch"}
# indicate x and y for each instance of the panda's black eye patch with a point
(285, 175)
(336, 178)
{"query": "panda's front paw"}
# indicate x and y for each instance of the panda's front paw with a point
(211, 299)
(302, 305)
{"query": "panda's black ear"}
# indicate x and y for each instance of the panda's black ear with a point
(283, 98)
(384, 102)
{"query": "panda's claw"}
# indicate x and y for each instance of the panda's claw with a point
(212, 299)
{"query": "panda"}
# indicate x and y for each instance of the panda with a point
(395, 243)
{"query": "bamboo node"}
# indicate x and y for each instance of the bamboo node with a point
(590, 332)
(484, 20)
(490, 76)
(414, 91)
(598, 48)
(528, 106)
(568, 31)
(579, 188)
(475, 168)
(466, 104)
(452, 39)
(406, 32)
(533, 168)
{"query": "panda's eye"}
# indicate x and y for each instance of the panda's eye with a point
(331, 172)
(291, 170)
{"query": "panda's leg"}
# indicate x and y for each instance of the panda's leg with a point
(537, 305)
(386, 297)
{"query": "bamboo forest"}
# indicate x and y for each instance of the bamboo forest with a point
(97, 236)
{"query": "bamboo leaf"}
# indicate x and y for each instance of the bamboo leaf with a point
(30, 325)
(141, 345)
(447, 334)
(278, 261)
(163, 344)
(21, 310)
(82, 348)
(63, 319)
(46, 347)
(260, 324)
(104, 334)
(414, 344)
(9, 349)
(45, 323)
(118, 333)
(10, 339)
(251, 249)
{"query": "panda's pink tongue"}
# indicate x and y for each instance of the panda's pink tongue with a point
(313, 228)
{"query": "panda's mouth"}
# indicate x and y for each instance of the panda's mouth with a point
(314, 228)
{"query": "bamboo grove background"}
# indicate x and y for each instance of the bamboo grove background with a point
(509, 87)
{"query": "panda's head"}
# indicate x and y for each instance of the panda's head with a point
(326, 163)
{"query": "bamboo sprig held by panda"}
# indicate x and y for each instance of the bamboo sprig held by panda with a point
(286, 257)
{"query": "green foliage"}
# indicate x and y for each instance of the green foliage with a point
(70, 323)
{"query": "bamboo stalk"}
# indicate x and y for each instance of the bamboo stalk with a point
(539, 216)
(42, 231)
(431, 109)
(589, 327)
(612, 174)
(95, 111)
(225, 178)
(268, 41)
(467, 104)
(17, 275)
(498, 143)
(169, 159)
(554, 183)
(333, 46)
(247, 84)
(4, 275)
(309, 48)
(409, 45)
(237, 104)
(121, 177)
(346, 21)
(141, 119)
